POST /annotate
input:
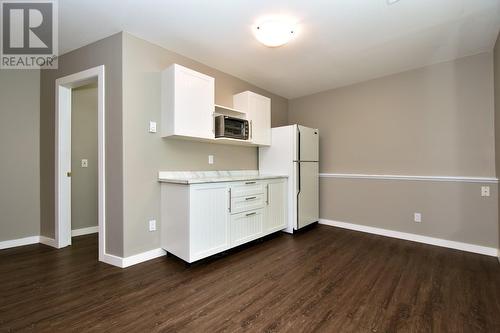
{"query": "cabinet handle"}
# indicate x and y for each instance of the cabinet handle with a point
(249, 183)
(267, 194)
(229, 208)
(250, 214)
(251, 129)
(250, 198)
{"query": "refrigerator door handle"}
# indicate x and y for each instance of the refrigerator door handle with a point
(298, 143)
(298, 177)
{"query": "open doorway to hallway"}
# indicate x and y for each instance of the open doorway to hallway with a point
(84, 157)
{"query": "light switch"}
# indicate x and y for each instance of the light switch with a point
(152, 225)
(84, 163)
(210, 159)
(152, 127)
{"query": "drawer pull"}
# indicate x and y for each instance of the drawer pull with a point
(249, 183)
(251, 198)
(250, 214)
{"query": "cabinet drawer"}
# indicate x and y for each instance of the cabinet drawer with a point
(248, 188)
(246, 226)
(251, 202)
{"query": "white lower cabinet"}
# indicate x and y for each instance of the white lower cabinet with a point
(200, 220)
(276, 206)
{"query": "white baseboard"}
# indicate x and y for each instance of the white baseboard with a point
(48, 241)
(111, 259)
(84, 231)
(19, 242)
(489, 251)
(144, 256)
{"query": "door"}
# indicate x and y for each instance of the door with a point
(276, 207)
(308, 144)
(308, 193)
(209, 231)
(194, 103)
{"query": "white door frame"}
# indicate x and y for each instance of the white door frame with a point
(64, 86)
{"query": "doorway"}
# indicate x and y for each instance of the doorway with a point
(63, 163)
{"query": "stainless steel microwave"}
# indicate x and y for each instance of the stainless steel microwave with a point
(231, 127)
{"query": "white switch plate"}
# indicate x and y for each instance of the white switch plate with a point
(152, 225)
(152, 127)
(210, 159)
(485, 191)
(84, 163)
(417, 217)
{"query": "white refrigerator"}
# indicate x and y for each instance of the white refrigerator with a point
(295, 152)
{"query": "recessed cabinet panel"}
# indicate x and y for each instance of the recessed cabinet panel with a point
(187, 103)
(246, 226)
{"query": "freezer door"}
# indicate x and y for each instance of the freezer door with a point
(308, 145)
(308, 193)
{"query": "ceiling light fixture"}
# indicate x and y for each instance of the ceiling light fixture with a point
(274, 32)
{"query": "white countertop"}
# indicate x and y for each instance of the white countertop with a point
(200, 177)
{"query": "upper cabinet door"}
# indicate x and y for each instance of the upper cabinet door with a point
(187, 103)
(258, 110)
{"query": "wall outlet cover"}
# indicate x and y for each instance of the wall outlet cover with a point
(84, 163)
(210, 159)
(485, 191)
(152, 225)
(417, 217)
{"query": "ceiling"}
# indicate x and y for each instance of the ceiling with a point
(339, 42)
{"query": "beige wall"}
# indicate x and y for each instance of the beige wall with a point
(84, 192)
(107, 52)
(435, 121)
(145, 154)
(19, 149)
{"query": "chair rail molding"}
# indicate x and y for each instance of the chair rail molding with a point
(461, 179)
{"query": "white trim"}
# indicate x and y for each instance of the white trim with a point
(111, 259)
(489, 251)
(84, 231)
(63, 159)
(406, 177)
(49, 241)
(144, 256)
(133, 260)
(19, 242)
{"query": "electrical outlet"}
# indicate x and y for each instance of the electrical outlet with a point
(485, 191)
(152, 127)
(152, 225)
(417, 217)
(210, 159)
(84, 163)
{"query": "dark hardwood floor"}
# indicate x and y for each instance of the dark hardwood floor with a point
(322, 280)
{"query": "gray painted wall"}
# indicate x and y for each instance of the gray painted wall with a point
(107, 52)
(19, 148)
(435, 121)
(145, 154)
(84, 190)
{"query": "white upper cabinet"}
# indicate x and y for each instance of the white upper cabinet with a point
(187, 103)
(258, 110)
